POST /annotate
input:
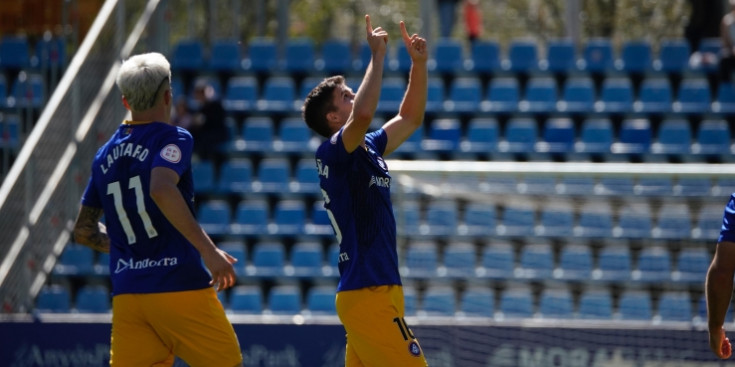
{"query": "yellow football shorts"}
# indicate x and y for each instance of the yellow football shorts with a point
(377, 334)
(150, 329)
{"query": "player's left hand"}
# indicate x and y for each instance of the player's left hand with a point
(720, 344)
(219, 264)
(415, 45)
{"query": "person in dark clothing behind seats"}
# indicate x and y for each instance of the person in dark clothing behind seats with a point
(208, 129)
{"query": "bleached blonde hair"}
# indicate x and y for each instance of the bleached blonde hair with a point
(140, 78)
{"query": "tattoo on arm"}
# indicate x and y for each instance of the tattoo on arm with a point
(89, 231)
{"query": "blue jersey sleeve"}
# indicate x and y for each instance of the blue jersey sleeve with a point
(176, 152)
(91, 197)
(727, 232)
(378, 139)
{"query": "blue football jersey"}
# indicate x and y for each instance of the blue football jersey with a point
(147, 254)
(356, 188)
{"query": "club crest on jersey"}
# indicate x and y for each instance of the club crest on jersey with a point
(171, 153)
(414, 349)
(382, 164)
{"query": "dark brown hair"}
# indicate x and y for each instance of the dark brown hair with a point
(318, 103)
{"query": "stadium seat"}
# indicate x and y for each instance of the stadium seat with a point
(540, 95)
(411, 146)
(274, 176)
(278, 96)
(521, 135)
(363, 57)
(27, 91)
(556, 303)
(713, 138)
(443, 136)
(320, 300)
(75, 260)
(556, 220)
(299, 56)
(673, 56)
(595, 220)
(613, 263)
(559, 136)
(334, 57)
(294, 137)
(692, 264)
(635, 137)
(237, 250)
(320, 224)
(516, 302)
(536, 261)
(693, 96)
(448, 56)
(498, 261)
(251, 217)
(236, 176)
(675, 306)
(422, 260)
(674, 137)
(215, 216)
(577, 185)
(188, 55)
(654, 265)
(709, 46)
(709, 221)
(654, 186)
(401, 62)
(596, 136)
(289, 218)
(15, 53)
(307, 177)
(93, 299)
(612, 185)
(477, 302)
(503, 95)
(636, 56)
(635, 305)
(408, 216)
(616, 96)
(50, 53)
(485, 57)
(307, 259)
(634, 221)
(673, 221)
(246, 299)
(655, 96)
(269, 259)
(257, 135)
(598, 55)
(441, 218)
(517, 220)
(54, 298)
(725, 99)
(262, 56)
(595, 305)
(225, 56)
(391, 95)
(538, 185)
(522, 56)
(410, 300)
(575, 262)
(465, 95)
(578, 95)
(3, 92)
(459, 260)
(561, 56)
(284, 300)
(102, 265)
(435, 95)
(479, 219)
(438, 301)
(693, 186)
(333, 258)
(241, 94)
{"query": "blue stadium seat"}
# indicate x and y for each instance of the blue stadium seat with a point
(465, 95)
(655, 96)
(521, 135)
(408, 216)
(575, 262)
(435, 95)
(54, 298)
(438, 301)
(598, 55)
(391, 95)
(269, 259)
(595, 220)
(517, 220)
(503, 95)
(257, 135)
(320, 300)
(335, 57)
(485, 56)
(634, 221)
(578, 95)
(188, 55)
(15, 53)
(27, 91)
(3, 92)
(443, 136)
(448, 56)
(320, 224)
(284, 300)
(93, 299)
(561, 56)
(556, 220)
(236, 176)
(332, 259)
(246, 299)
(713, 137)
(654, 186)
(481, 137)
(293, 137)
(215, 216)
(693, 96)
(611, 185)
(241, 94)
(401, 61)
(675, 306)
(596, 136)
(262, 56)
(636, 56)
(441, 218)
(363, 57)
(306, 177)
(102, 265)
(673, 221)
(654, 265)
(410, 300)
(477, 302)
(635, 305)
(459, 260)
(251, 217)
(50, 53)
(577, 185)
(279, 95)
(479, 219)
(635, 137)
(712, 47)
(522, 56)
(673, 56)
(616, 96)
(692, 264)
(674, 137)
(498, 261)
(725, 99)
(537, 185)
(614, 263)
(308, 83)
(411, 146)
(274, 176)
(559, 136)
(75, 260)
(237, 250)
(307, 259)
(595, 305)
(556, 303)
(540, 95)
(422, 260)
(299, 55)
(289, 217)
(536, 261)
(709, 221)
(516, 302)
(225, 56)
(694, 186)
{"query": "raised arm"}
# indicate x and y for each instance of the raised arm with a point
(366, 100)
(411, 113)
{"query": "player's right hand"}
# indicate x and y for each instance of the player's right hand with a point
(219, 264)
(377, 38)
(720, 344)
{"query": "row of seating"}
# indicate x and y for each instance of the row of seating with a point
(27, 90)
(303, 55)
(10, 131)
(18, 53)
(476, 301)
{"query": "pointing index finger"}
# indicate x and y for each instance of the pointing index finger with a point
(404, 32)
(368, 26)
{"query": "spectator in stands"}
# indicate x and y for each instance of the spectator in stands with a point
(356, 187)
(727, 55)
(719, 284)
(472, 20)
(164, 303)
(447, 14)
(181, 116)
(208, 129)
